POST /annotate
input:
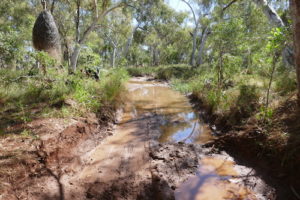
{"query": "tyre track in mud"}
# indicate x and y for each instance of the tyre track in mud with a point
(131, 163)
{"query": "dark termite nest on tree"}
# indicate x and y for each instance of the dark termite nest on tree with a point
(45, 34)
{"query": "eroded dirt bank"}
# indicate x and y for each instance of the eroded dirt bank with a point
(269, 148)
(154, 152)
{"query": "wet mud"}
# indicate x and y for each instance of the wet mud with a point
(179, 164)
(155, 151)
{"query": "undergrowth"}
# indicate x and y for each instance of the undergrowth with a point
(26, 95)
(238, 107)
(241, 94)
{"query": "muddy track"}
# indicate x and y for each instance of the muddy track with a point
(85, 160)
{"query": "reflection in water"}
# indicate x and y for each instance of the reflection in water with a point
(213, 182)
(177, 120)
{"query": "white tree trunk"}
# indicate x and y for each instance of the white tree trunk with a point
(202, 45)
(155, 56)
(193, 60)
(272, 15)
(74, 58)
(129, 40)
(195, 32)
(274, 18)
(86, 33)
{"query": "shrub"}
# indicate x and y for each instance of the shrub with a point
(247, 100)
(285, 84)
(21, 93)
(88, 59)
(141, 71)
(112, 84)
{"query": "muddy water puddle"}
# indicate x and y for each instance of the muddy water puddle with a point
(176, 118)
(217, 177)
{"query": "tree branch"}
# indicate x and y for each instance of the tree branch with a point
(112, 8)
(189, 5)
(96, 9)
(94, 24)
(228, 5)
(77, 20)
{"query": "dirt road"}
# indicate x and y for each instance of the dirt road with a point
(154, 152)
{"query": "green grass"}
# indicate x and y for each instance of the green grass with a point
(25, 96)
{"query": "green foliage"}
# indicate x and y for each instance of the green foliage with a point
(141, 71)
(28, 134)
(286, 83)
(248, 99)
(277, 38)
(213, 99)
(174, 71)
(89, 59)
(48, 95)
(112, 85)
(265, 114)
(164, 72)
(10, 46)
(44, 59)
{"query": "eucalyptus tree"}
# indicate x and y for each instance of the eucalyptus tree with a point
(276, 21)
(139, 12)
(115, 30)
(85, 17)
(199, 9)
(266, 7)
(16, 19)
(166, 36)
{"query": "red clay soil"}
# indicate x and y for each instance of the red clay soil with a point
(76, 159)
(31, 165)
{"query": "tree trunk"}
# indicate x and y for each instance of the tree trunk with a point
(113, 58)
(220, 71)
(272, 15)
(129, 40)
(275, 58)
(274, 18)
(155, 56)
(66, 55)
(194, 35)
(202, 45)
(74, 58)
(193, 60)
(86, 33)
(295, 7)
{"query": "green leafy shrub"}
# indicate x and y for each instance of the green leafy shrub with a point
(112, 84)
(10, 46)
(89, 59)
(45, 59)
(141, 71)
(168, 72)
(265, 114)
(248, 99)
